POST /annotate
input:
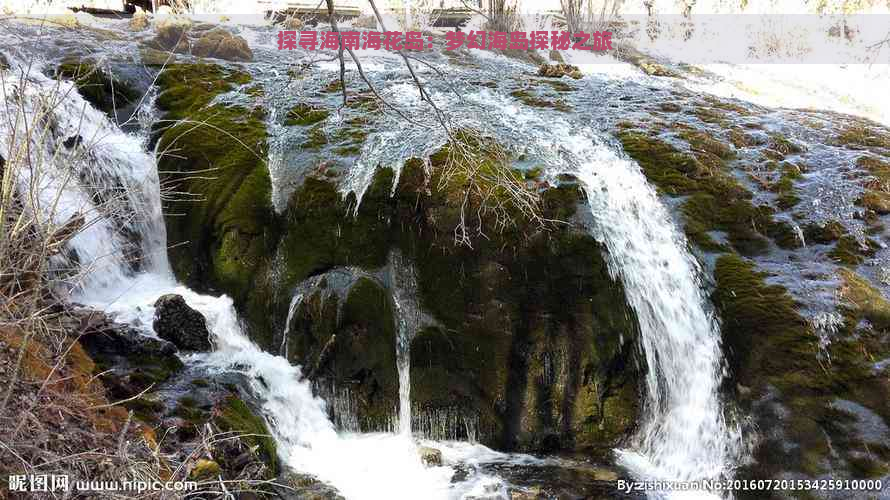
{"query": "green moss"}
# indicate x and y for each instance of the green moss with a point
(145, 408)
(672, 171)
(877, 201)
(333, 86)
(863, 135)
(304, 114)
(741, 139)
(702, 142)
(221, 227)
(784, 147)
(153, 370)
(315, 138)
(727, 106)
(709, 115)
(718, 202)
(864, 301)
(848, 250)
(97, 87)
(187, 411)
(530, 99)
(879, 169)
(826, 233)
(784, 187)
(771, 348)
(235, 416)
(557, 85)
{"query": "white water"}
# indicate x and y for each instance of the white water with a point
(684, 436)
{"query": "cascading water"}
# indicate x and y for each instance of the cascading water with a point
(684, 436)
(404, 286)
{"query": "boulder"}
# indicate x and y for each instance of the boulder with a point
(221, 44)
(556, 57)
(430, 457)
(177, 322)
(559, 70)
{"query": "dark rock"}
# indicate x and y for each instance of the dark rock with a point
(102, 337)
(177, 322)
(73, 141)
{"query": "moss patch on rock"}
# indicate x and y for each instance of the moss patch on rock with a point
(220, 223)
(304, 114)
(96, 85)
(717, 201)
(233, 415)
(773, 350)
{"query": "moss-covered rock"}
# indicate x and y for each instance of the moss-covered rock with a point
(510, 306)
(864, 301)
(233, 415)
(304, 114)
(791, 385)
(221, 226)
(96, 85)
(718, 202)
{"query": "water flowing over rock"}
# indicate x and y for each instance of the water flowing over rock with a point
(704, 266)
(177, 322)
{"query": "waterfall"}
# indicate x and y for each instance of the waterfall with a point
(684, 435)
(404, 289)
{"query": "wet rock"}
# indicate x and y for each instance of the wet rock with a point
(430, 457)
(95, 83)
(172, 33)
(73, 141)
(221, 44)
(559, 70)
(103, 337)
(177, 322)
(533, 493)
(876, 200)
(305, 487)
